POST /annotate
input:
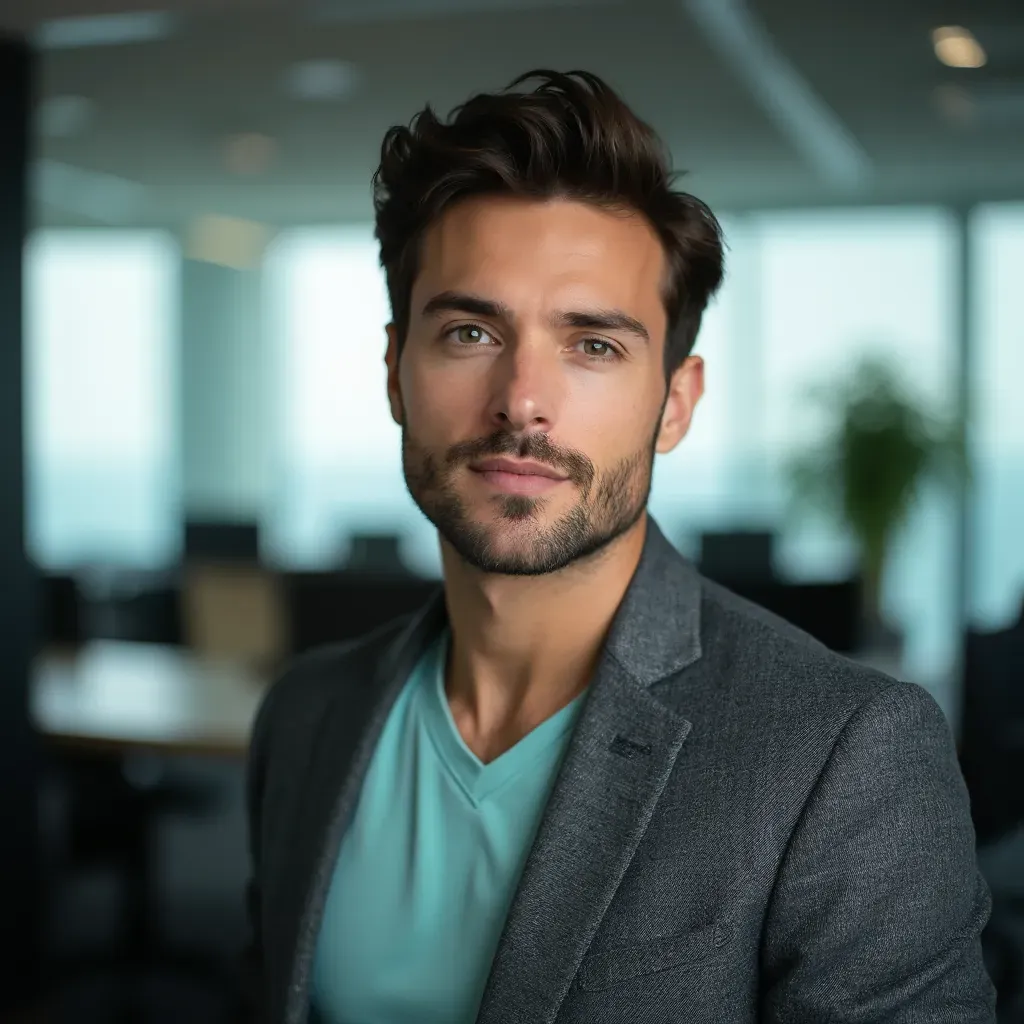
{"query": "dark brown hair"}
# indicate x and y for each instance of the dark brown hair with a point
(571, 137)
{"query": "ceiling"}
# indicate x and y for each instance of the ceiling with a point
(768, 103)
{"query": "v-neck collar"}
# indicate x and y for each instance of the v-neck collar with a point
(477, 780)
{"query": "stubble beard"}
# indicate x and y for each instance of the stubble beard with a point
(517, 541)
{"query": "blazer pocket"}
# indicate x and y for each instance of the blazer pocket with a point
(608, 967)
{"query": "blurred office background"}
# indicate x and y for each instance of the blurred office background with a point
(211, 481)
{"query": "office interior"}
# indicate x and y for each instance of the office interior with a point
(201, 478)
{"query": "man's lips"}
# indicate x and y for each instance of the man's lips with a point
(518, 476)
(518, 467)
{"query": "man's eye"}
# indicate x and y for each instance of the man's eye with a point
(469, 334)
(595, 348)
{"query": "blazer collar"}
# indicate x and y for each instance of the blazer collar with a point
(656, 631)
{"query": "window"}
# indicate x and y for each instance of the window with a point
(100, 387)
(339, 465)
(832, 287)
(996, 585)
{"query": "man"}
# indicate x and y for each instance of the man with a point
(586, 784)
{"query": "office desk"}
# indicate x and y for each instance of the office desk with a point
(132, 697)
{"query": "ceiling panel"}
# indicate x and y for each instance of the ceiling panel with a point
(163, 109)
(876, 68)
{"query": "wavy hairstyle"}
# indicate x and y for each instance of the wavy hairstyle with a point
(570, 137)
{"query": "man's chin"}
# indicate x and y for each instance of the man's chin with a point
(506, 548)
(509, 520)
(513, 539)
(493, 563)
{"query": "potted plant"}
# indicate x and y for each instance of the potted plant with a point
(880, 447)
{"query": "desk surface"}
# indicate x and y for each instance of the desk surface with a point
(130, 696)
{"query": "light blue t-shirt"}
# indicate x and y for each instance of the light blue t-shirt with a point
(428, 867)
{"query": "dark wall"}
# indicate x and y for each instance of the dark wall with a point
(19, 771)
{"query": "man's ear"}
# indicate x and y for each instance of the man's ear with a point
(684, 392)
(394, 387)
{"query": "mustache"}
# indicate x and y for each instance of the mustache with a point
(535, 446)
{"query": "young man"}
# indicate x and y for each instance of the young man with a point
(586, 784)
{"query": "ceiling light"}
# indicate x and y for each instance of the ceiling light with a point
(957, 48)
(103, 30)
(249, 153)
(321, 79)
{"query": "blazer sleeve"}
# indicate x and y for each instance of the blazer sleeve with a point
(252, 989)
(878, 905)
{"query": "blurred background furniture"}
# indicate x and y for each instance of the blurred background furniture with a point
(738, 557)
(235, 612)
(325, 607)
(116, 715)
(131, 696)
(992, 762)
(220, 540)
(61, 610)
(742, 560)
(135, 605)
(992, 729)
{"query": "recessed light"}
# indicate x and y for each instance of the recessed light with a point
(956, 47)
(249, 153)
(321, 79)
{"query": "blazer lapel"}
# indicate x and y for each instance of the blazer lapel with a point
(338, 764)
(618, 761)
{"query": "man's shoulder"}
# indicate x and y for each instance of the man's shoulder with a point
(763, 653)
(300, 696)
(767, 697)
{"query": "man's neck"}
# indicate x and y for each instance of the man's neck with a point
(525, 646)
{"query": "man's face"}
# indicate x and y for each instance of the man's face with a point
(531, 389)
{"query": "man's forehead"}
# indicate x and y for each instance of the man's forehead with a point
(529, 248)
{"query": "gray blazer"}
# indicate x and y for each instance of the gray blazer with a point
(746, 827)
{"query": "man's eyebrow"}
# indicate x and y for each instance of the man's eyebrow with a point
(602, 320)
(463, 302)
